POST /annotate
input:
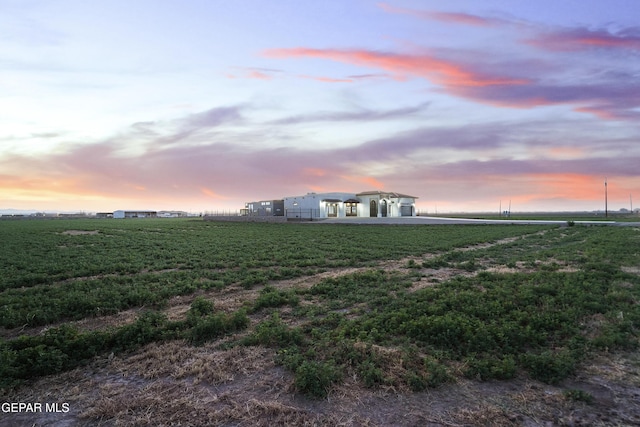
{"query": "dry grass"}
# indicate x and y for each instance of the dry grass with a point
(177, 384)
(179, 360)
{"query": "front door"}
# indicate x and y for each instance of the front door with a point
(383, 207)
(373, 209)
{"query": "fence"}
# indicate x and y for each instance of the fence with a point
(244, 216)
(223, 213)
(302, 214)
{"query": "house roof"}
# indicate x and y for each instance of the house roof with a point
(389, 194)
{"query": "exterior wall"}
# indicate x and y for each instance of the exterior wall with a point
(394, 204)
(316, 205)
(410, 206)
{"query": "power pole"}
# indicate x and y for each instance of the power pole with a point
(606, 211)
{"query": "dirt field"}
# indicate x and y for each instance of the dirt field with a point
(175, 383)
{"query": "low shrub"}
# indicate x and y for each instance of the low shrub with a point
(273, 332)
(488, 367)
(549, 367)
(271, 297)
(200, 307)
(216, 325)
(578, 396)
(316, 378)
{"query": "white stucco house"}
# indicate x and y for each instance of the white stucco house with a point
(338, 205)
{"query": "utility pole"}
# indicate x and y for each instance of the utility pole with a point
(606, 211)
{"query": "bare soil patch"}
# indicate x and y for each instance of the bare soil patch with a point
(80, 232)
(632, 270)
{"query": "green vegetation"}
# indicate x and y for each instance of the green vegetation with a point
(51, 276)
(536, 305)
(65, 347)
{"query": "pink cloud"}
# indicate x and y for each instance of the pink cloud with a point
(608, 99)
(253, 73)
(448, 17)
(212, 194)
(584, 38)
(437, 70)
(328, 79)
(258, 75)
(368, 181)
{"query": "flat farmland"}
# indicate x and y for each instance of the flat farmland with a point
(190, 322)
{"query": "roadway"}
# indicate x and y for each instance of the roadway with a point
(432, 220)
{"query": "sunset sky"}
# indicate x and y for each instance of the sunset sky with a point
(204, 105)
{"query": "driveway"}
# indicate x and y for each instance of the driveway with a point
(431, 220)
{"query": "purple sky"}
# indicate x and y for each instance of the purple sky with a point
(202, 106)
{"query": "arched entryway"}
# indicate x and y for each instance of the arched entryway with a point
(383, 207)
(373, 209)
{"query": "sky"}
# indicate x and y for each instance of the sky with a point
(203, 105)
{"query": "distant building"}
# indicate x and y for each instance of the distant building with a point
(172, 214)
(134, 214)
(73, 215)
(264, 208)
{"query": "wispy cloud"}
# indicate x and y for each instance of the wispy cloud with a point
(360, 114)
(447, 17)
(328, 79)
(258, 73)
(213, 117)
(581, 38)
(441, 71)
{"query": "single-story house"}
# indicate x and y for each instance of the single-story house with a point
(337, 205)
